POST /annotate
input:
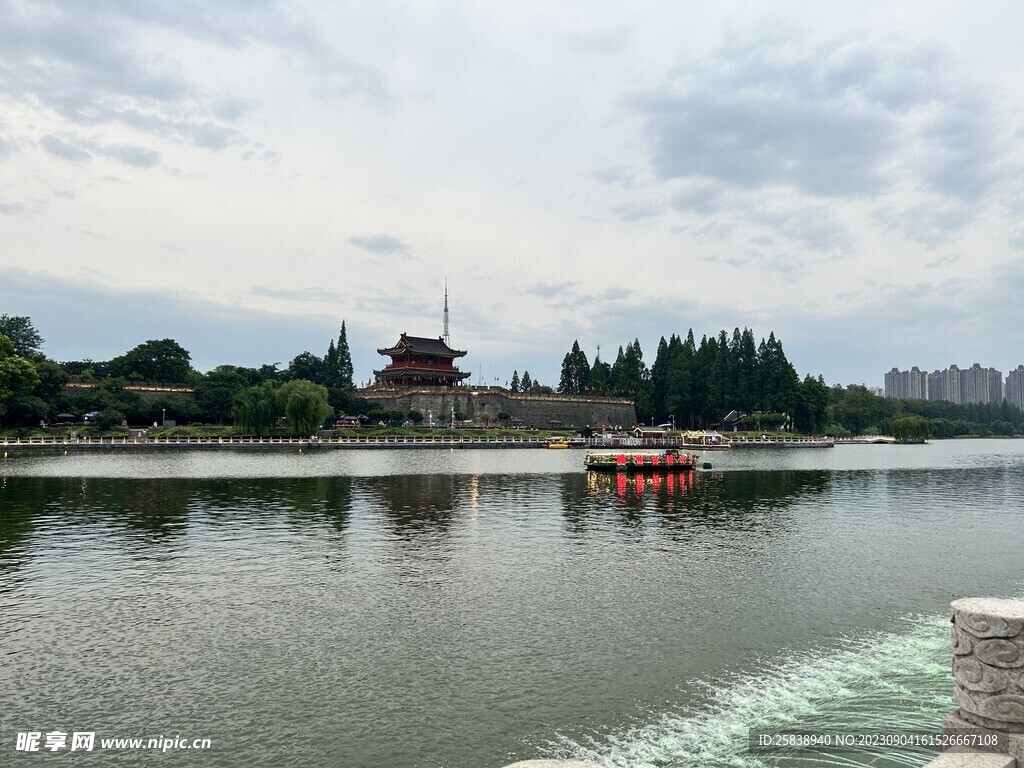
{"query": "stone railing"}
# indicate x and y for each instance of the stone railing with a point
(988, 682)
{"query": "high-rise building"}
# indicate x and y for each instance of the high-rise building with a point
(971, 385)
(1015, 387)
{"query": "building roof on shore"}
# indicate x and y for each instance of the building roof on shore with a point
(421, 345)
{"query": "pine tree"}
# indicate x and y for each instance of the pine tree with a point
(565, 382)
(527, 383)
(580, 368)
(331, 373)
(515, 381)
(344, 360)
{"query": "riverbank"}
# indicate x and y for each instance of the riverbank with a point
(35, 445)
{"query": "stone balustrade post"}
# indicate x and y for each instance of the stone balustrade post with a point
(988, 662)
(988, 682)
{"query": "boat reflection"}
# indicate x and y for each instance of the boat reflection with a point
(636, 485)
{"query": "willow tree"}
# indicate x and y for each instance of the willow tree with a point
(305, 406)
(255, 409)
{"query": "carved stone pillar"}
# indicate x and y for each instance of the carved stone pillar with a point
(988, 662)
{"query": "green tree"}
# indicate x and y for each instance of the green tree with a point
(309, 367)
(305, 406)
(813, 406)
(856, 408)
(22, 334)
(163, 361)
(527, 383)
(515, 381)
(332, 375)
(215, 394)
(910, 429)
(18, 378)
(778, 377)
(181, 408)
(416, 417)
(344, 369)
(600, 374)
(575, 371)
(255, 410)
(109, 418)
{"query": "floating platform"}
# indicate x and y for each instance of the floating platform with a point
(640, 461)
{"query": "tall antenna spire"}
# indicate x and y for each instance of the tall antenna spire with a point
(447, 338)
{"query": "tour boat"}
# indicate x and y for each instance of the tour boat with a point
(644, 461)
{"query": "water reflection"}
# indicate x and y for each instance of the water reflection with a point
(680, 500)
(152, 516)
(413, 503)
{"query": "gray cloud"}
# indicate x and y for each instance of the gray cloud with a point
(551, 290)
(698, 195)
(61, 148)
(83, 62)
(814, 227)
(300, 294)
(638, 211)
(132, 155)
(11, 208)
(77, 150)
(829, 120)
(933, 224)
(380, 244)
(6, 148)
(618, 175)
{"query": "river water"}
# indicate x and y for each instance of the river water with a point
(470, 608)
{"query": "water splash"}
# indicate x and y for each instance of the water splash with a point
(882, 683)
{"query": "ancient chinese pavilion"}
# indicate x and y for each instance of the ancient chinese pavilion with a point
(419, 362)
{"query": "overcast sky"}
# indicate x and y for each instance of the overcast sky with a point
(242, 175)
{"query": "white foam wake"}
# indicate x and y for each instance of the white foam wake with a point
(878, 684)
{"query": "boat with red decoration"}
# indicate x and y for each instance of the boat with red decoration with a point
(670, 460)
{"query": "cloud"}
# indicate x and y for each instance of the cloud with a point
(92, 64)
(6, 147)
(814, 227)
(829, 119)
(699, 195)
(638, 211)
(313, 293)
(551, 290)
(9, 209)
(618, 175)
(61, 148)
(79, 150)
(380, 245)
(933, 223)
(132, 155)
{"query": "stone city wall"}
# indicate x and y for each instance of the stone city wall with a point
(534, 410)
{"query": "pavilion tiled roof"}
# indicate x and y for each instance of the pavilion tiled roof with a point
(422, 346)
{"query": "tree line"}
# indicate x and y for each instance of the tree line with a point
(694, 385)
(34, 389)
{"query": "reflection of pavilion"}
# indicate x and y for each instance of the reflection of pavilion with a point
(420, 362)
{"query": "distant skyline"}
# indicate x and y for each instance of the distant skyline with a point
(242, 177)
